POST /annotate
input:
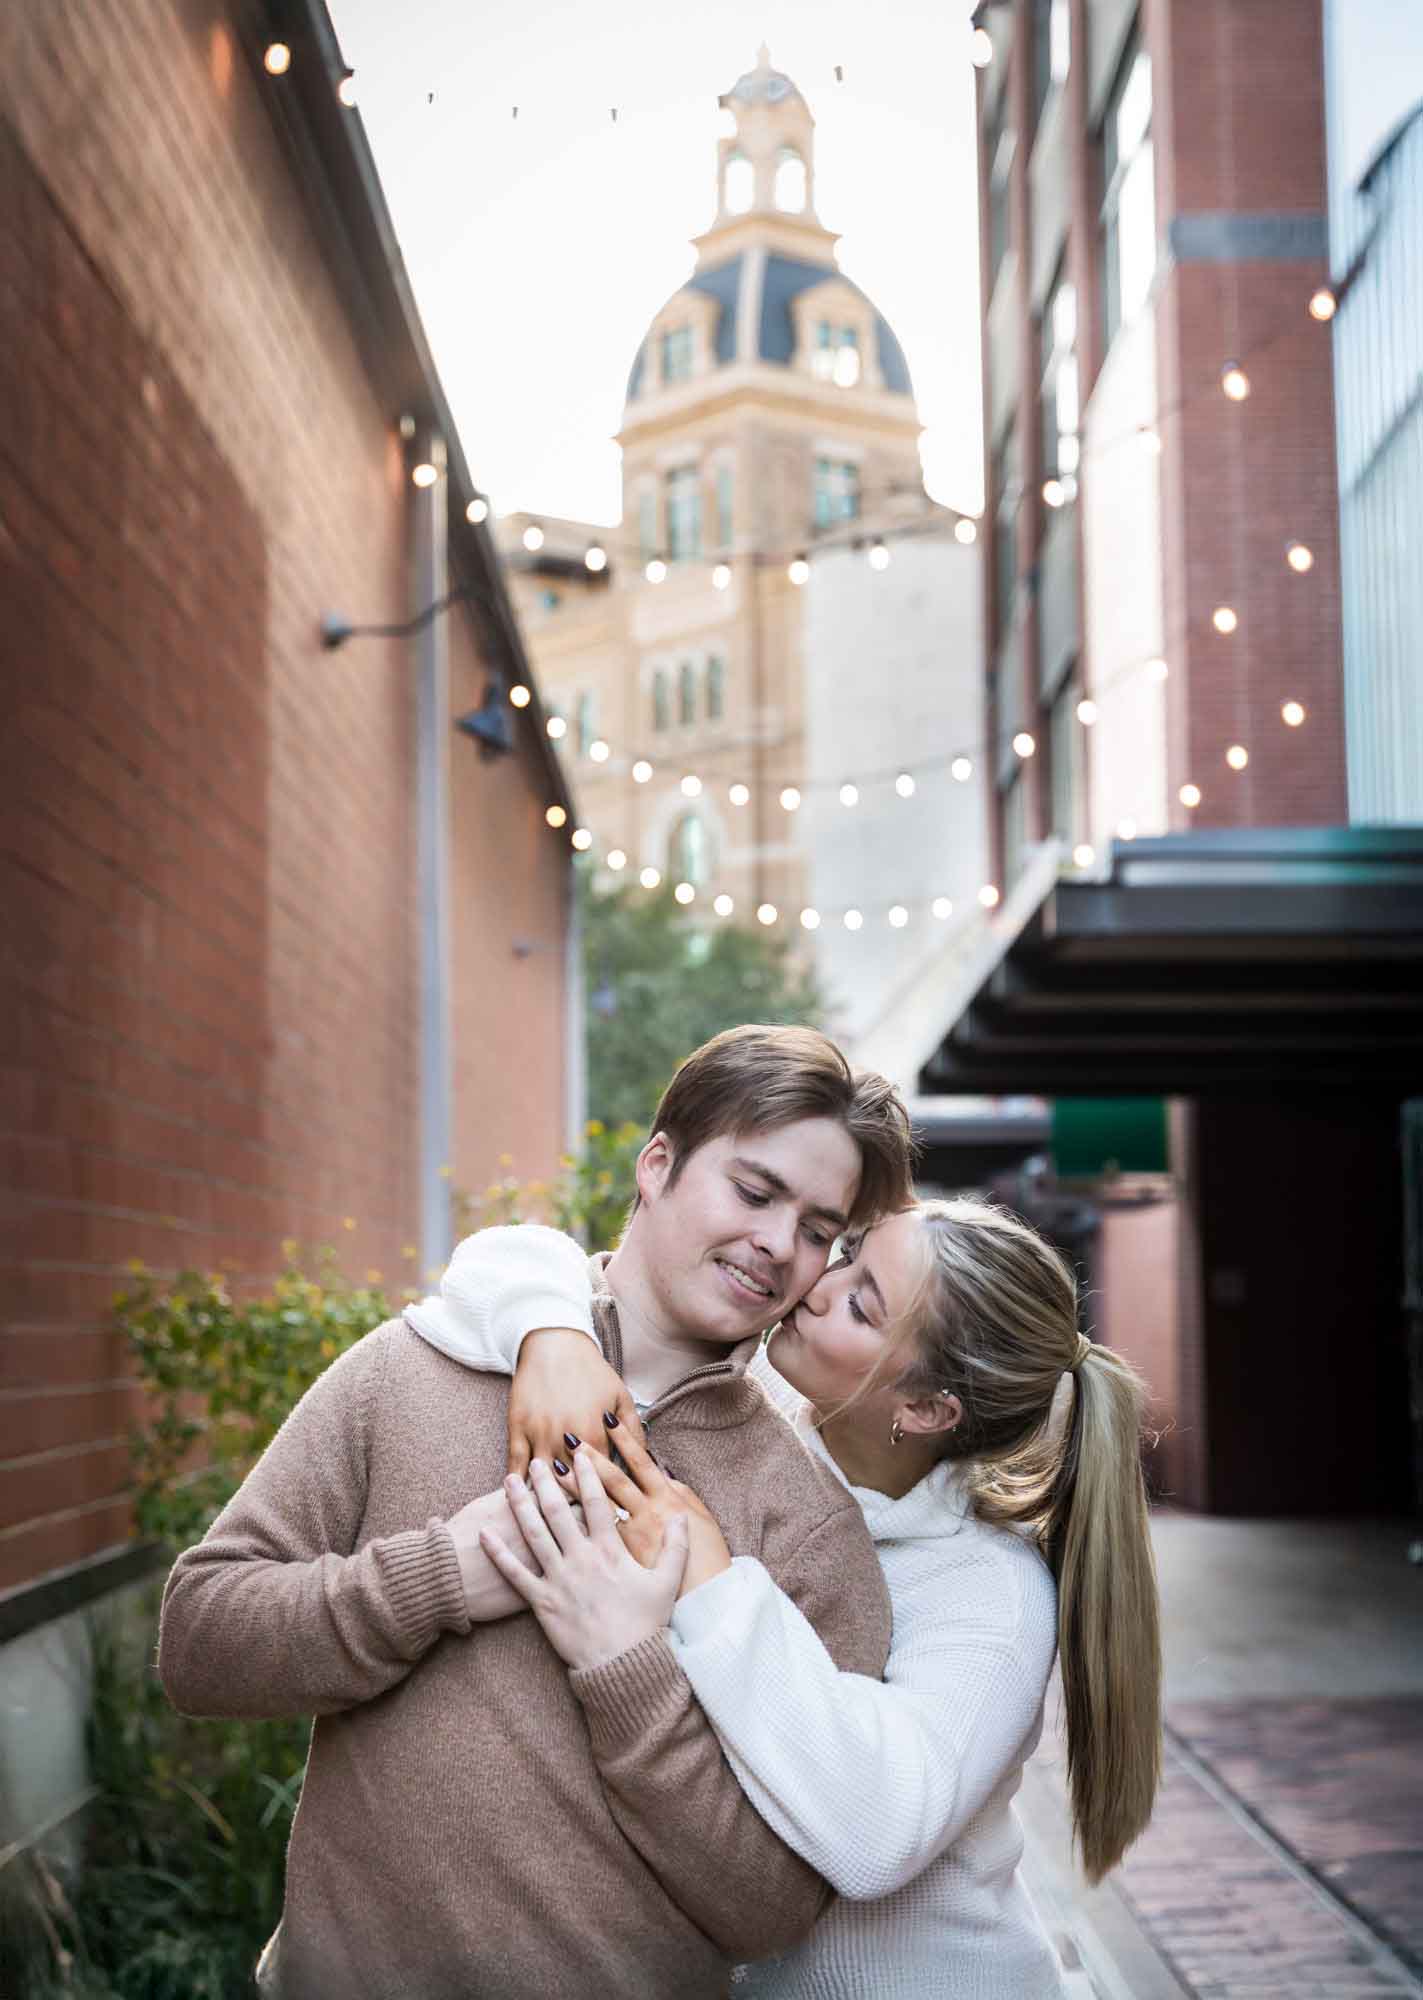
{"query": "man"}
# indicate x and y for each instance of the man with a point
(475, 1822)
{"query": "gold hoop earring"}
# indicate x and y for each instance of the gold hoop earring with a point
(896, 1432)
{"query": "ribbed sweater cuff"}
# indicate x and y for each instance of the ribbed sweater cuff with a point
(623, 1696)
(421, 1574)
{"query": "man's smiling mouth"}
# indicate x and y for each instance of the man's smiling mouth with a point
(752, 1284)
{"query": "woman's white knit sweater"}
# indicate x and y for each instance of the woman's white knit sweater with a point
(899, 1792)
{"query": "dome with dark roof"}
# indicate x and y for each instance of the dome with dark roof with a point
(781, 280)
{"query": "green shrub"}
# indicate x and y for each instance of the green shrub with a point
(589, 1198)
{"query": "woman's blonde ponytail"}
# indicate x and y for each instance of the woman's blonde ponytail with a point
(995, 1324)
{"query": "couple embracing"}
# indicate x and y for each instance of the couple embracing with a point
(732, 1679)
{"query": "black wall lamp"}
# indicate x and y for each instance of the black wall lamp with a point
(336, 630)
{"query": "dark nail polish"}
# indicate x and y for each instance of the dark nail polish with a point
(560, 1467)
(571, 1441)
(610, 1420)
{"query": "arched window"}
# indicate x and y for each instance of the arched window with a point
(716, 688)
(661, 701)
(790, 181)
(689, 851)
(739, 184)
(687, 705)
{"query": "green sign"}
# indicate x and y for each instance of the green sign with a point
(1092, 1136)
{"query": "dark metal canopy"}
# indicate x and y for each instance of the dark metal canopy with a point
(1207, 962)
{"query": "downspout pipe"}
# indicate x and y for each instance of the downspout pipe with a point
(430, 580)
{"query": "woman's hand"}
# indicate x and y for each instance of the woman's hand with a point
(594, 1600)
(651, 1500)
(562, 1388)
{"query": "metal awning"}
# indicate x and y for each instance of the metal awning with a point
(1268, 958)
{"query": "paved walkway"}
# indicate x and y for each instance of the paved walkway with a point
(1285, 1857)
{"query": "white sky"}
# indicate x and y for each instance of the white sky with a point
(540, 248)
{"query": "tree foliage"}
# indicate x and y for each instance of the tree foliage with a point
(659, 985)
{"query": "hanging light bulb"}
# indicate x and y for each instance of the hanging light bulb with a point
(533, 538)
(1149, 439)
(656, 571)
(1237, 756)
(942, 907)
(1190, 796)
(965, 531)
(641, 771)
(1224, 619)
(904, 785)
(595, 558)
(423, 475)
(1087, 713)
(691, 786)
(790, 799)
(988, 896)
(1126, 829)
(685, 893)
(556, 816)
(849, 795)
(853, 920)
(1023, 744)
(582, 839)
(721, 576)
(767, 914)
(649, 878)
(879, 554)
(1293, 714)
(1235, 381)
(346, 90)
(1054, 493)
(598, 751)
(898, 916)
(556, 727)
(1323, 304)
(1158, 669)
(740, 795)
(616, 859)
(276, 59)
(798, 571)
(810, 920)
(519, 695)
(961, 770)
(477, 510)
(981, 48)
(1083, 856)
(723, 905)
(1299, 558)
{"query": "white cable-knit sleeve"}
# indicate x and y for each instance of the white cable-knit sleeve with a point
(501, 1284)
(868, 1780)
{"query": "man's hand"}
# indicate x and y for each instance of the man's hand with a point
(562, 1388)
(486, 1594)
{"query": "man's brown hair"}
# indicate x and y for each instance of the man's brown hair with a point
(759, 1078)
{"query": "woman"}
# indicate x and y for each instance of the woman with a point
(926, 1365)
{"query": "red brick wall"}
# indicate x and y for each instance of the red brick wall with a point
(208, 1009)
(1239, 128)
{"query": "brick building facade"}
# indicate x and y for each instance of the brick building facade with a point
(210, 1005)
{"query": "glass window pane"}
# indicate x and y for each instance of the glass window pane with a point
(716, 689)
(684, 513)
(647, 523)
(687, 704)
(661, 709)
(723, 505)
(1136, 233)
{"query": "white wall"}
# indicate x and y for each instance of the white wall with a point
(1123, 613)
(1373, 73)
(893, 666)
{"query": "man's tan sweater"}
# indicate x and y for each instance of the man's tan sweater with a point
(476, 1823)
